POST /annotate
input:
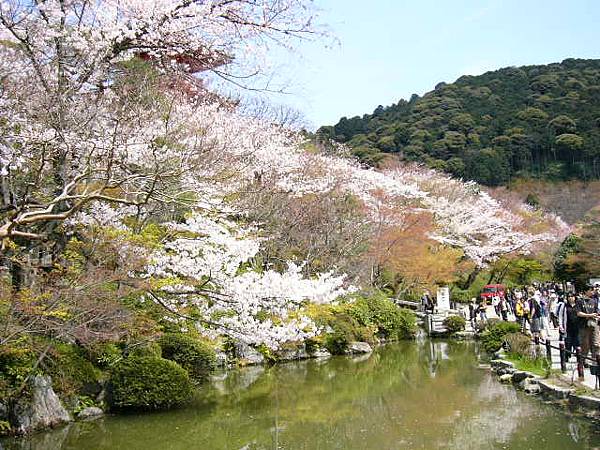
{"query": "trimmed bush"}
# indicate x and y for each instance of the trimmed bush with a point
(149, 383)
(104, 355)
(151, 349)
(71, 370)
(16, 363)
(389, 321)
(455, 323)
(493, 336)
(461, 295)
(195, 356)
(345, 329)
(518, 345)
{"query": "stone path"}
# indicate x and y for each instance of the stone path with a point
(571, 374)
(437, 321)
(589, 380)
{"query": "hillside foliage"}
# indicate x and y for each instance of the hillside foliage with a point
(531, 122)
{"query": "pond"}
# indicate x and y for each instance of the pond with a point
(414, 395)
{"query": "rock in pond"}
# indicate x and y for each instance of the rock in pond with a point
(358, 347)
(91, 412)
(42, 410)
(519, 376)
(506, 378)
(247, 354)
(290, 354)
(530, 386)
(321, 353)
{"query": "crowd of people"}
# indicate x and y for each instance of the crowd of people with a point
(539, 307)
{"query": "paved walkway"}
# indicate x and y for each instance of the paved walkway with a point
(571, 374)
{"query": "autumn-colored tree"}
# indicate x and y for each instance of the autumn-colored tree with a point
(579, 256)
(405, 259)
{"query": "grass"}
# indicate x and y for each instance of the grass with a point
(537, 366)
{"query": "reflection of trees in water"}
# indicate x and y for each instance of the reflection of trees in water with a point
(493, 422)
(505, 418)
(386, 401)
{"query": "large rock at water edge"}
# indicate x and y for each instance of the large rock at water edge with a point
(530, 386)
(91, 412)
(293, 353)
(359, 347)
(321, 353)
(42, 410)
(247, 354)
(520, 375)
(506, 378)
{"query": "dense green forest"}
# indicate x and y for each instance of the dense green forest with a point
(532, 121)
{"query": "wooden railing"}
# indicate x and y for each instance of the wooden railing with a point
(580, 358)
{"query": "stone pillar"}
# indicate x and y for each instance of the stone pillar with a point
(443, 299)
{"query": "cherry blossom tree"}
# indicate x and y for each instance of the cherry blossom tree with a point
(207, 275)
(92, 108)
(104, 122)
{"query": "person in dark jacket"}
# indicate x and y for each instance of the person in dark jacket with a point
(568, 324)
(587, 312)
(535, 313)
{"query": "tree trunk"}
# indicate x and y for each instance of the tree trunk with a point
(471, 278)
(16, 275)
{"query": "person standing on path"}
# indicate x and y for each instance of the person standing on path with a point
(553, 308)
(587, 312)
(519, 312)
(473, 311)
(596, 291)
(427, 302)
(545, 320)
(503, 307)
(512, 302)
(482, 310)
(568, 324)
(496, 304)
(535, 313)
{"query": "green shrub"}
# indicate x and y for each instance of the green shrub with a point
(104, 355)
(311, 345)
(4, 428)
(461, 295)
(389, 321)
(83, 401)
(345, 329)
(149, 383)
(493, 336)
(150, 349)
(16, 363)
(195, 356)
(455, 323)
(267, 353)
(70, 369)
(518, 345)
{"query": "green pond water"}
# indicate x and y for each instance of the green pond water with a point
(414, 395)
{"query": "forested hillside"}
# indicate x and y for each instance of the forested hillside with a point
(531, 121)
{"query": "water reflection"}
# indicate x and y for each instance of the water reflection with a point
(425, 394)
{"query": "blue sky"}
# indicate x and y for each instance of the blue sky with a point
(389, 49)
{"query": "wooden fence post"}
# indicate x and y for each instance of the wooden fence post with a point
(563, 362)
(548, 351)
(580, 368)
